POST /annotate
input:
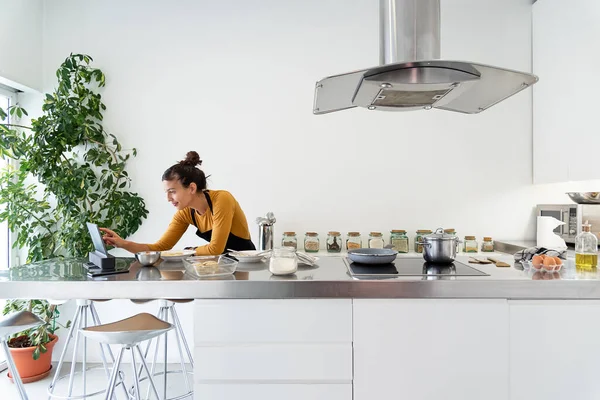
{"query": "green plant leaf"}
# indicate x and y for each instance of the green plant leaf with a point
(78, 174)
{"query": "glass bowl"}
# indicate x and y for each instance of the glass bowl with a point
(209, 266)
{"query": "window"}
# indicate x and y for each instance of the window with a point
(7, 97)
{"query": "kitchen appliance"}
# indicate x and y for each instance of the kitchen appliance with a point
(573, 215)
(439, 247)
(266, 231)
(405, 266)
(411, 76)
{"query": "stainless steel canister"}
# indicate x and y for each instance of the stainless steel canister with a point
(266, 231)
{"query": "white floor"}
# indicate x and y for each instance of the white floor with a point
(95, 380)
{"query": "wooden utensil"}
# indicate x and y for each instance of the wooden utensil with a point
(474, 260)
(500, 264)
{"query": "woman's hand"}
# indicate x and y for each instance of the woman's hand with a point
(112, 238)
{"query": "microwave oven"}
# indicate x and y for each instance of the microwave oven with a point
(573, 215)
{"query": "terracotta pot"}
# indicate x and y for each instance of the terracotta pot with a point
(29, 369)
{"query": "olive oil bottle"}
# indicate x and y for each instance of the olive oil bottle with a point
(586, 248)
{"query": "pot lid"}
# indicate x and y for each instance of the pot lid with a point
(439, 234)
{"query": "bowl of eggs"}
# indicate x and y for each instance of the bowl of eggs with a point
(546, 263)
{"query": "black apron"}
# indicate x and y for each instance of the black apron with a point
(233, 242)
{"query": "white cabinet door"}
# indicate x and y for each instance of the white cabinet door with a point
(554, 350)
(430, 349)
(565, 138)
(272, 392)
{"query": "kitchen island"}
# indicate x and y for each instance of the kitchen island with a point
(320, 334)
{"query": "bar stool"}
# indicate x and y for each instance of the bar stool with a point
(168, 313)
(80, 321)
(128, 333)
(15, 323)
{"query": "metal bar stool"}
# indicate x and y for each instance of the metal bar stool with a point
(168, 313)
(15, 323)
(80, 321)
(129, 333)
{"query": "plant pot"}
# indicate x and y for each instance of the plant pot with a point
(31, 370)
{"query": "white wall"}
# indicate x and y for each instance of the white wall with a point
(21, 44)
(234, 81)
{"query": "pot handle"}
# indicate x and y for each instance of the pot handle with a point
(424, 244)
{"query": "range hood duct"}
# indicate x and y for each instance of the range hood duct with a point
(411, 75)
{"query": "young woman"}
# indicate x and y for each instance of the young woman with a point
(216, 214)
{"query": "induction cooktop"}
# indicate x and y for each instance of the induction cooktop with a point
(411, 267)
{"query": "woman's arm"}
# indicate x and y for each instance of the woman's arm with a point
(174, 232)
(113, 239)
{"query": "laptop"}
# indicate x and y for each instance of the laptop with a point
(100, 254)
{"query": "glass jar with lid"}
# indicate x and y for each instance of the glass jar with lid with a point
(353, 241)
(419, 238)
(289, 240)
(470, 244)
(376, 240)
(487, 245)
(283, 261)
(450, 231)
(334, 242)
(399, 240)
(311, 242)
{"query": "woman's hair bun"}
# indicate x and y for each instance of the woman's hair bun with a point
(192, 159)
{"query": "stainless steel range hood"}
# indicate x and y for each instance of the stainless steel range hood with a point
(411, 75)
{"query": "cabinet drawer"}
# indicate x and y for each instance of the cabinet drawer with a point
(291, 363)
(272, 392)
(273, 321)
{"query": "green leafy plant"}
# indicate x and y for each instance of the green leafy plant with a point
(35, 337)
(64, 171)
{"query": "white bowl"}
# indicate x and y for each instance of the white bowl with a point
(176, 255)
(248, 256)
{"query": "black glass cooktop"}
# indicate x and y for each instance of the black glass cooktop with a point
(412, 267)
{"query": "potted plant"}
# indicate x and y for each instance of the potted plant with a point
(31, 350)
(64, 170)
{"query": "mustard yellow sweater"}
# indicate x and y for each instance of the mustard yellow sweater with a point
(227, 217)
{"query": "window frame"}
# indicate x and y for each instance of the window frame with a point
(13, 256)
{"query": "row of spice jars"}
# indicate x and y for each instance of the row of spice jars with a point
(334, 242)
(312, 243)
(398, 239)
(471, 245)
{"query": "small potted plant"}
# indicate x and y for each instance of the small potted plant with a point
(32, 349)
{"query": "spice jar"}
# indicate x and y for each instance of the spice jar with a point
(450, 231)
(487, 245)
(311, 242)
(289, 240)
(419, 238)
(334, 242)
(470, 244)
(376, 240)
(399, 240)
(353, 241)
(283, 261)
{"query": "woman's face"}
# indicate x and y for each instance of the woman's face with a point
(178, 195)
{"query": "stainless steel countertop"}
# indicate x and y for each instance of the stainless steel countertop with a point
(66, 279)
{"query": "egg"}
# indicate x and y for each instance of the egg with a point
(557, 260)
(549, 263)
(537, 260)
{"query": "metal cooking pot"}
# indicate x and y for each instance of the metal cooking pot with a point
(440, 247)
